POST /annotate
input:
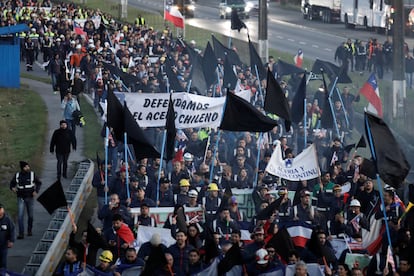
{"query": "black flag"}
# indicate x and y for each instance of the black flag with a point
(136, 136)
(327, 120)
(240, 115)
(173, 81)
(198, 81)
(229, 78)
(276, 101)
(388, 157)
(332, 71)
(220, 51)
(53, 197)
(361, 144)
(236, 23)
(209, 64)
(298, 102)
(284, 68)
(115, 116)
(256, 62)
(171, 130)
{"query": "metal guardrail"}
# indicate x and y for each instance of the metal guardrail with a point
(51, 247)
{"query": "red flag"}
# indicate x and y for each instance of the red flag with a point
(371, 92)
(126, 234)
(298, 58)
(77, 28)
(174, 16)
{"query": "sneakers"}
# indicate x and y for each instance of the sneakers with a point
(20, 237)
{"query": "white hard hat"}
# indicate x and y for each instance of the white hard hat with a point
(78, 46)
(355, 203)
(262, 256)
(188, 156)
(193, 193)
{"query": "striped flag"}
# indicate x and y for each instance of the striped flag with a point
(371, 93)
(298, 58)
(174, 16)
(300, 232)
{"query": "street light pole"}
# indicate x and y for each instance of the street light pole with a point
(263, 41)
(398, 70)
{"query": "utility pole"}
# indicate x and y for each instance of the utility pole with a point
(124, 9)
(263, 41)
(398, 70)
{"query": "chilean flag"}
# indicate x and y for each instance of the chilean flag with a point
(300, 232)
(174, 16)
(77, 28)
(371, 92)
(298, 58)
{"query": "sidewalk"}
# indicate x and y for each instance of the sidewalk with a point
(20, 254)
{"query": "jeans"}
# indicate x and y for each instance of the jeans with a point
(55, 80)
(22, 203)
(3, 257)
(62, 163)
(409, 78)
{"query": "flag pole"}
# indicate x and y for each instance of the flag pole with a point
(164, 138)
(305, 129)
(126, 164)
(258, 159)
(106, 163)
(331, 106)
(214, 155)
(343, 107)
(374, 156)
(260, 85)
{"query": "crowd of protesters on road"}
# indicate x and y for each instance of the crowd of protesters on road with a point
(80, 49)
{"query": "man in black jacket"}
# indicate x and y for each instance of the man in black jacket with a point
(26, 185)
(61, 141)
(7, 236)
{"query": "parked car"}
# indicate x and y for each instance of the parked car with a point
(186, 7)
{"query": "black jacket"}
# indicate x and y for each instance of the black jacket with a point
(61, 141)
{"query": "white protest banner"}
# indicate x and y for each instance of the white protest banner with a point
(96, 21)
(150, 110)
(145, 233)
(161, 214)
(81, 22)
(302, 167)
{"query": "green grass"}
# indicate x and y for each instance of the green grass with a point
(23, 129)
(36, 78)
(93, 141)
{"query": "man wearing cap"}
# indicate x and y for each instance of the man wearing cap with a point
(235, 213)
(26, 185)
(165, 194)
(182, 197)
(304, 211)
(138, 196)
(7, 236)
(284, 213)
(259, 195)
(211, 203)
(249, 251)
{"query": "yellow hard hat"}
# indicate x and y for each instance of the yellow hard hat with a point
(184, 183)
(213, 187)
(106, 256)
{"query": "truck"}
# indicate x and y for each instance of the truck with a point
(370, 14)
(375, 15)
(328, 11)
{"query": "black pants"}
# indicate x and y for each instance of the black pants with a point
(62, 164)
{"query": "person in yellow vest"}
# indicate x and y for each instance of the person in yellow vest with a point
(35, 38)
(139, 21)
